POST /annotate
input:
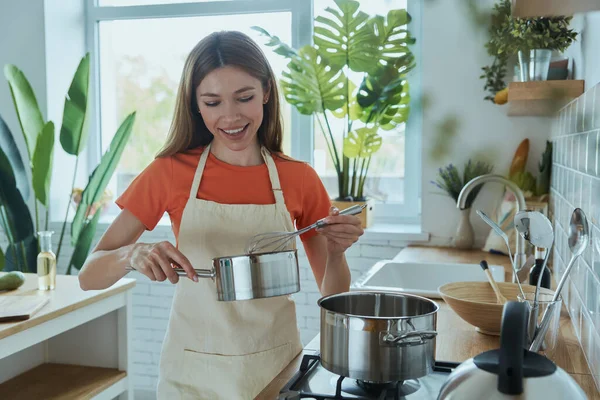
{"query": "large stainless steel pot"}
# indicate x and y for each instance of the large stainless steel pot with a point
(378, 336)
(254, 276)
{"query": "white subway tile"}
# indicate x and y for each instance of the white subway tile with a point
(162, 289)
(141, 311)
(313, 323)
(147, 322)
(143, 357)
(162, 313)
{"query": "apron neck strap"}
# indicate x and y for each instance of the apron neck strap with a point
(273, 175)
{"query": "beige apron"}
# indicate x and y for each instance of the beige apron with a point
(225, 350)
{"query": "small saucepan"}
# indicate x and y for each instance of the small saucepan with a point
(253, 276)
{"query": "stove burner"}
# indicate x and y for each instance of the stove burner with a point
(370, 389)
(342, 388)
(376, 387)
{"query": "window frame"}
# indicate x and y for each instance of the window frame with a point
(302, 144)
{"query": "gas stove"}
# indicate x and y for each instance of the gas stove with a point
(313, 381)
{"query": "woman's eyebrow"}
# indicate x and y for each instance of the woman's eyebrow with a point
(245, 88)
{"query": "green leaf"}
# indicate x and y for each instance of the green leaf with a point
(8, 145)
(362, 142)
(345, 38)
(2, 260)
(101, 175)
(274, 41)
(84, 242)
(28, 111)
(384, 95)
(392, 35)
(15, 217)
(22, 255)
(42, 164)
(73, 132)
(310, 85)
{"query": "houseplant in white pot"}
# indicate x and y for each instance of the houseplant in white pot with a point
(355, 71)
(452, 182)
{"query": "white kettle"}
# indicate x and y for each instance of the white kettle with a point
(512, 371)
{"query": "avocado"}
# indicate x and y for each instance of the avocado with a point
(12, 280)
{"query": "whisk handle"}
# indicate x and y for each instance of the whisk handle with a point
(357, 209)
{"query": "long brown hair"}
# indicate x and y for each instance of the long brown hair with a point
(219, 49)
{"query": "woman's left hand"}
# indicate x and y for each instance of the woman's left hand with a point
(341, 232)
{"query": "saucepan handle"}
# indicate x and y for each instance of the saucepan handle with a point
(202, 273)
(412, 338)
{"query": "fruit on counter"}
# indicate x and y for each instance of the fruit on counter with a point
(501, 96)
(12, 280)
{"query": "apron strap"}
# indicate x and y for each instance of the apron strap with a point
(199, 170)
(274, 177)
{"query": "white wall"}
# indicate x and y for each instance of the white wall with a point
(453, 54)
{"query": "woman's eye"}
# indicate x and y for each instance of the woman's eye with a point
(212, 104)
(246, 99)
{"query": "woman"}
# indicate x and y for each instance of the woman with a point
(222, 178)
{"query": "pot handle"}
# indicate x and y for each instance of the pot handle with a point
(406, 338)
(202, 273)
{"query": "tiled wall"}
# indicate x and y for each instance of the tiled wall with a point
(576, 183)
(152, 300)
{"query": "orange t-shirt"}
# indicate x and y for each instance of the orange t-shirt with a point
(164, 186)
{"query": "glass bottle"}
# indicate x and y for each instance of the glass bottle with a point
(46, 262)
(537, 269)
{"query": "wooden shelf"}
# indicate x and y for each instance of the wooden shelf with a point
(541, 98)
(543, 8)
(60, 382)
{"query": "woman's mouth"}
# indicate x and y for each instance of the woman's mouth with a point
(235, 132)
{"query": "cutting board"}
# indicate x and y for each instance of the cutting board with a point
(19, 308)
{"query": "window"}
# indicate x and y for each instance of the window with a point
(138, 49)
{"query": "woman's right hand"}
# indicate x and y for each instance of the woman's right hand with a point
(154, 260)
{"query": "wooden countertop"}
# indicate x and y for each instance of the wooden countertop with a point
(67, 297)
(457, 340)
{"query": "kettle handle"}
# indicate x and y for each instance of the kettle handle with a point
(512, 347)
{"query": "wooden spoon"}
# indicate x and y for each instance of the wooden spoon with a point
(501, 299)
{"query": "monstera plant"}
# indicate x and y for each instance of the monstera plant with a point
(39, 136)
(319, 80)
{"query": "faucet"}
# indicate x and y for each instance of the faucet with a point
(520, 257)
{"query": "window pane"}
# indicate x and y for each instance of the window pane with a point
(385, 178)
(123, 3)
(140, 66)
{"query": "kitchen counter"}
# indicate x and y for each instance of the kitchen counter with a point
(75, 346)
(457, 340)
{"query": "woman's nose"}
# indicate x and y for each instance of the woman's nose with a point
(230, 112)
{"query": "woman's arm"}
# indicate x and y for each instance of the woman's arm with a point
(117, 249)
(331, 271)
(325, 252)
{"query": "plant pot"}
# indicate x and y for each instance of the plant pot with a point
(366, 216)
(534, 65)
(465, 236)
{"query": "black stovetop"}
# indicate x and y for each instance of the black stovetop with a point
(313, 381)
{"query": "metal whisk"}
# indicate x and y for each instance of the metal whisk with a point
(276, 241)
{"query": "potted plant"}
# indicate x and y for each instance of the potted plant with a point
(532, 40)
(356, 70)
(451, 181)
(20, 227)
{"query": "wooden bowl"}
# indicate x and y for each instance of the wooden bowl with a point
(475, 302)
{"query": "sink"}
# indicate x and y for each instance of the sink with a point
(422, 279)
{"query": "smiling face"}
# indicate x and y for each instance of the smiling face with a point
(231, 104)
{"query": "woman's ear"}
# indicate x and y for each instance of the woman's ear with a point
(267, 93)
